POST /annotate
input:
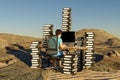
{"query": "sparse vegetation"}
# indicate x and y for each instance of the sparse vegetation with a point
(20, 71)
(108, 65)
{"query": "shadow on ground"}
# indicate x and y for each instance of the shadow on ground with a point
(98, 57)
(22, 53)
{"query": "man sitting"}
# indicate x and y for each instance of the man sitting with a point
(55, 46)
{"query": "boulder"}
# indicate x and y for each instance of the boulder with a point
(113, 53)
(2, 65)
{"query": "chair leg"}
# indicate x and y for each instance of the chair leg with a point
(56, 63)
(60, 63)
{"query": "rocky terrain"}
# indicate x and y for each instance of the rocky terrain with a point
(107, 50)
(15, 58)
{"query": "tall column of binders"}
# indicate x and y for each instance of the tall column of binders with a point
(47, 32)
(70, 64)
(80, 43)
(89, 53)
(66, 19)
(35, 54)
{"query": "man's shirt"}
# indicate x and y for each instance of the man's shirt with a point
(58, 46)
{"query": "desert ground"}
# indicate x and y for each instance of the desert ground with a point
(15, 59)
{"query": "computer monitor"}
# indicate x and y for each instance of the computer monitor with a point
(68, 36)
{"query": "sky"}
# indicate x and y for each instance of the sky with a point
(27, 17)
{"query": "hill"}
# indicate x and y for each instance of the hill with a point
(14, 51)
(100, 35)
(102, 40)
(7, 39)
(12, 41)
(107, 49)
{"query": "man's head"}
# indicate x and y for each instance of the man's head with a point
(58, 32)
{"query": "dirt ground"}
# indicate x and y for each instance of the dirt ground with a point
(19, 71)
(83, 75)
(106, 68)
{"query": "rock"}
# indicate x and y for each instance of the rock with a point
(117, 53)
(113, 53)
(2, 65)
(12, 61)
(9, 62)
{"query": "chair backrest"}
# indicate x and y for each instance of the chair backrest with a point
(52, 43)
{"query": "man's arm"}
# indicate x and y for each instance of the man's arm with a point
(77, 48)
(64, 47)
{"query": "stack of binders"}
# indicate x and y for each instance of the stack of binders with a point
(70, 64)
(80, 42)
(89, 53)
(47, 31)
(35, 54)
(66, 19)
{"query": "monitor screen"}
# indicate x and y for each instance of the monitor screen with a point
(68, 36)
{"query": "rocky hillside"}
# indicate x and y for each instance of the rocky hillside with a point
(13, 42)
(15, 58)
(100, 35)
(14, 51)
(8, 39)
